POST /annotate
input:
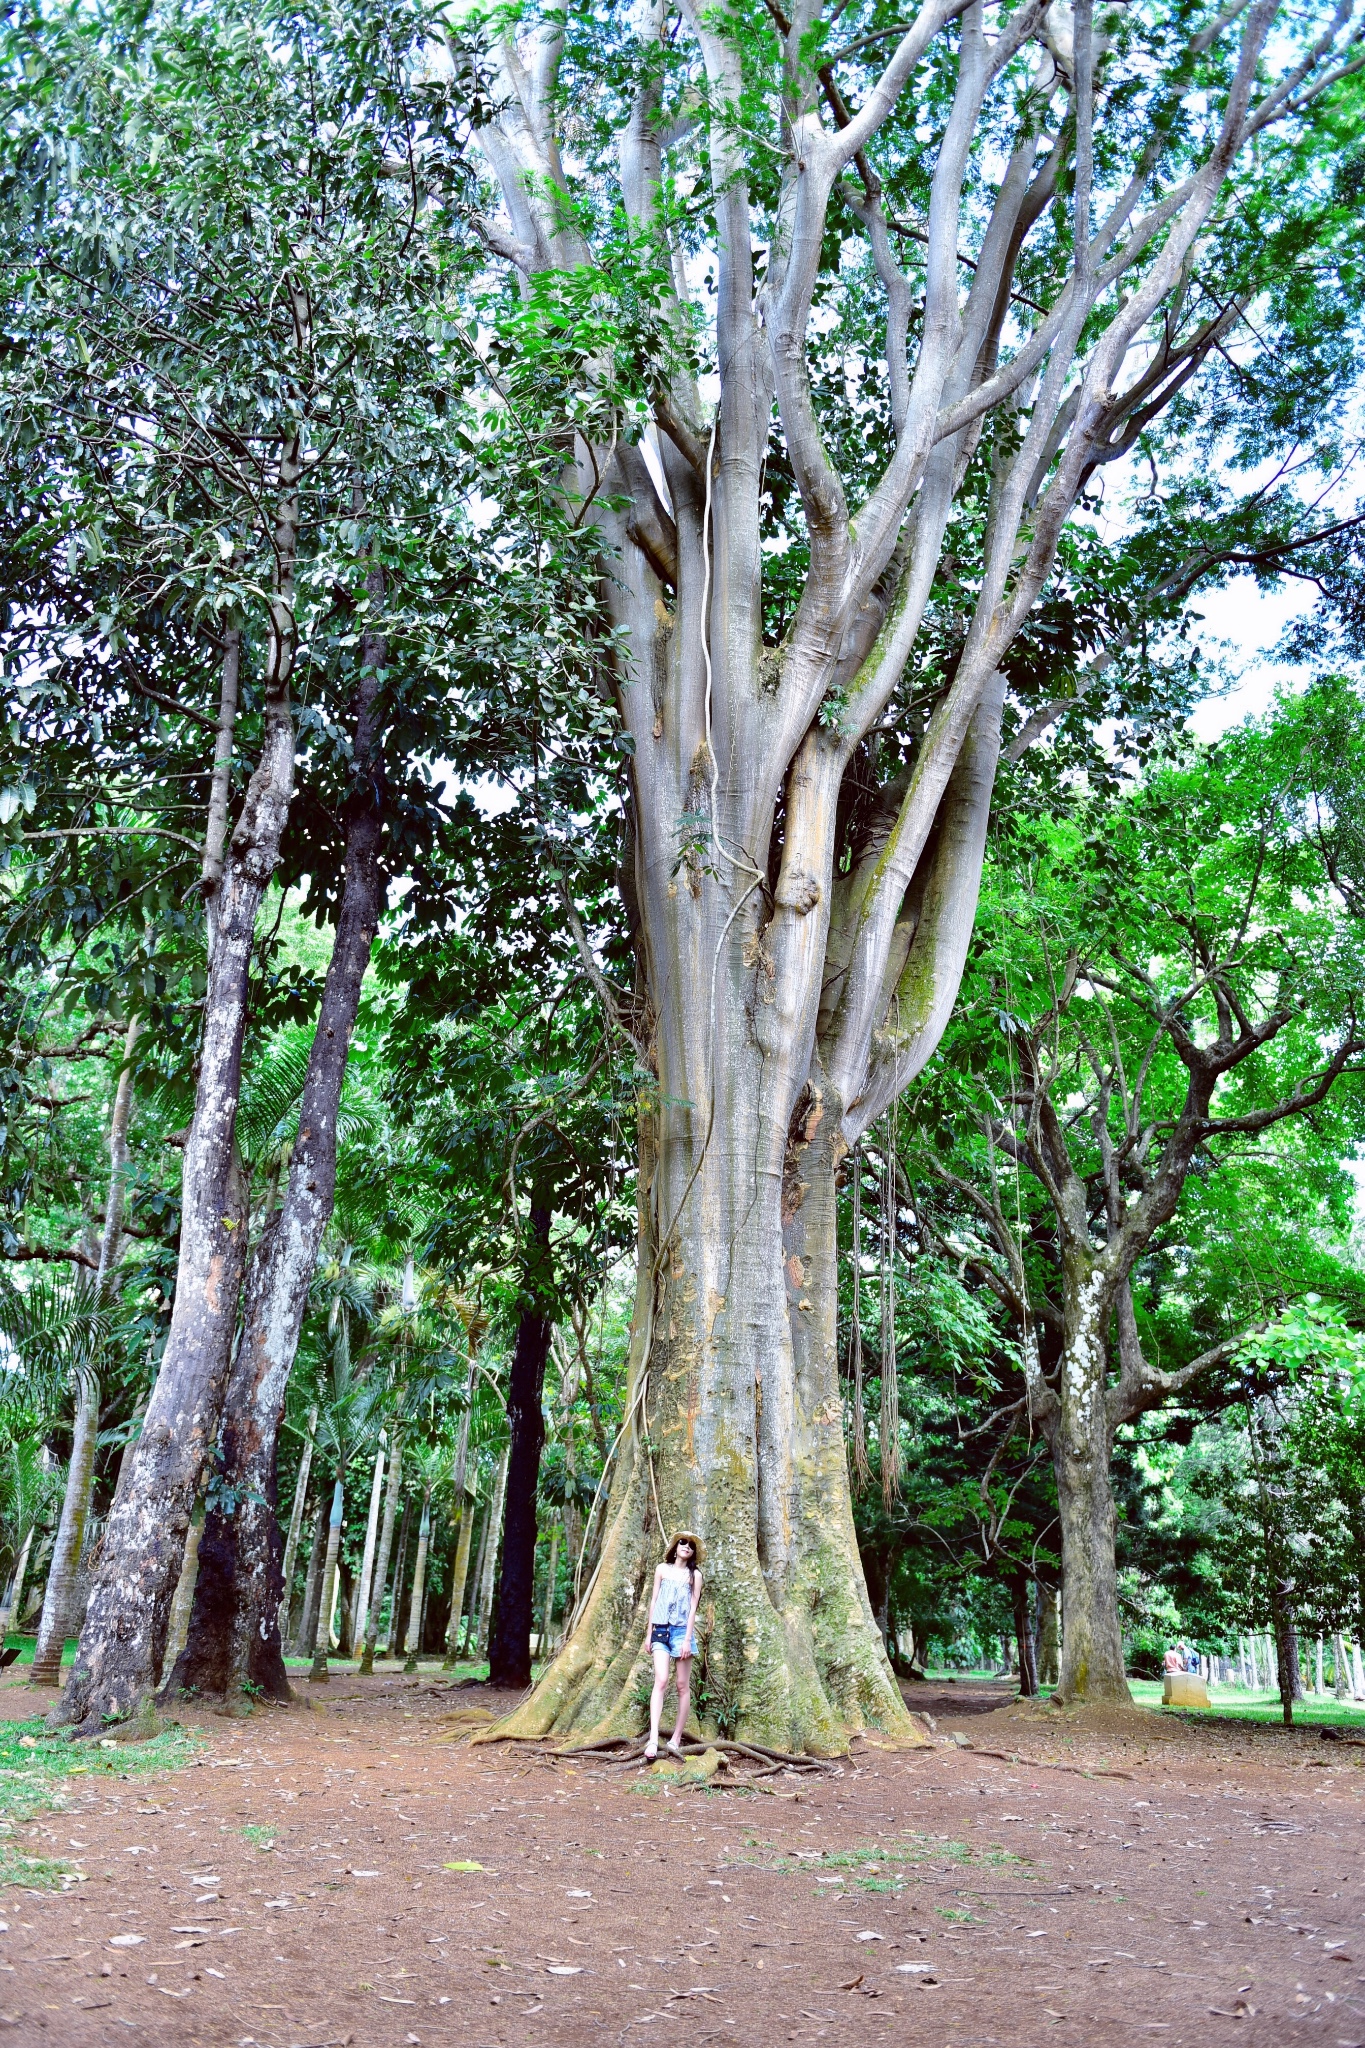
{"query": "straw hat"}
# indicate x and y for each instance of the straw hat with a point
(685, 1536)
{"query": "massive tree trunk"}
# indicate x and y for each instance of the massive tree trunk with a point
(509, 1652)
(1049, 1634)
(59, 1597)
(735, 1428)
(799, 945)
(121, 1644)
(234, 1635)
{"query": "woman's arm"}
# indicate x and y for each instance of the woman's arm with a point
(653, 1596)
(692, 1614)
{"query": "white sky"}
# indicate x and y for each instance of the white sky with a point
(1247, 622)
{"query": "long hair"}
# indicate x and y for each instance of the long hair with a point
(671, 1556)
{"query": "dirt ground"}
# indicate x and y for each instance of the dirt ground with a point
(1201, 1883)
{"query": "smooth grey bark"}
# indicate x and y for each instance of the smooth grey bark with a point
(393, 1640)
(417, 1606)
(318, 1675)
(14, 1596)
(371, 1539)
(472, 1632)
(291, 1541)
(381, 1563)
(776, 986)
(550, 1574)
(491, 1545)
(121, 1644)
(312, 1584)
(463, 1509)
(459, 1580)
(60, 1595)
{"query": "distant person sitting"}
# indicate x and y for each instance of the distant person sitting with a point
(1192, 1663)
(1173, 1661)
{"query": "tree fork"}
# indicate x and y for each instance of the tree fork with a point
(234, 1635)
(121, 1645)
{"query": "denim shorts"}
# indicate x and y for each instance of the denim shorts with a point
(673, 1637)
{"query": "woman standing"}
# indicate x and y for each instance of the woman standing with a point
(672, 1618)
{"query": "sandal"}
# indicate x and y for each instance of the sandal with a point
(675, 1747)
(651, 1756)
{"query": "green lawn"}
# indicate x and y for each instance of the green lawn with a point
(28, 1644)
(1231, 1702)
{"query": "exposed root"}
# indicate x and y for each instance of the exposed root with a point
(1034, 1763)
(627, 1752)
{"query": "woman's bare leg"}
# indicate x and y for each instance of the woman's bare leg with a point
(656, 1698)
(684, 1700)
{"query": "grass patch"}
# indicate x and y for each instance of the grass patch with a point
(891, 1868)
(1231, 1703)
(259, 1838)
(36, 1767)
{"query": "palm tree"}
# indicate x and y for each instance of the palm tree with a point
(350, 1413)
(30, 1484)
(58, 1330)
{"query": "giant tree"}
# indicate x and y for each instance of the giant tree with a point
(812, 573)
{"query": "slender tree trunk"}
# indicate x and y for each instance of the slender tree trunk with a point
(242, 1612)
(318, 1675)
(1023, 1635)
(371, 1538)
(381, 1563)
(462, 1516)
(312, 1585)
(550, 1572)
(1317, 1672)
(459, 1582)
(58, 1600)
(510, 1648)
(178, 1628)
(393, 1642)
(419, 1587)
(1341, 1682)
(121, 1645)
(14, 1603)
(1286, 1647)
(472, 1632)
(492, 1544)
(291, 1545)
(220, 785)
